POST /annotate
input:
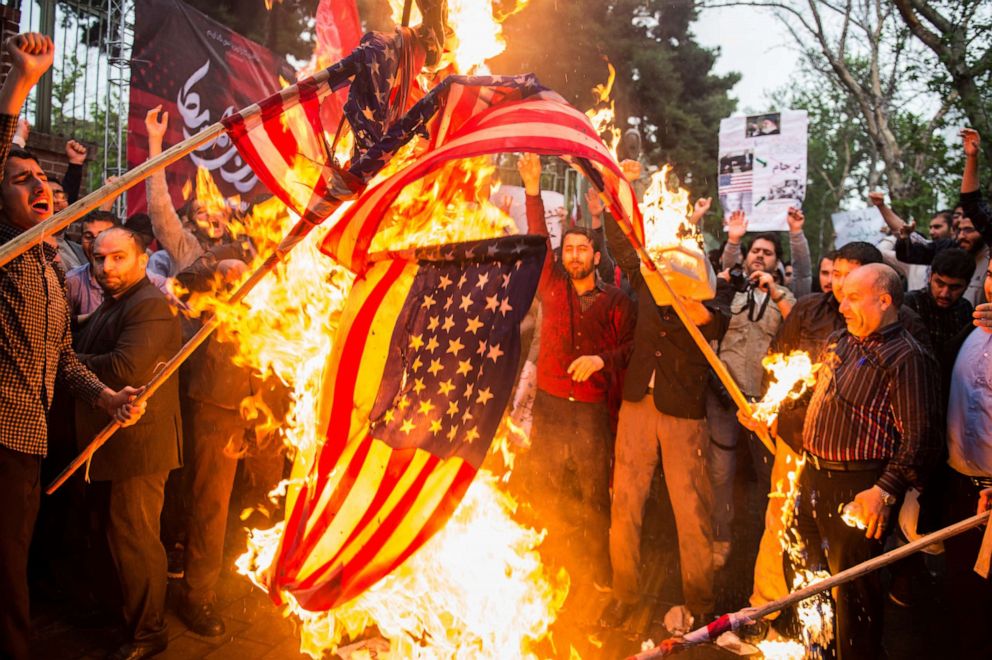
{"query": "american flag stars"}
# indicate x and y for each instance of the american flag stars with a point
(447, 383)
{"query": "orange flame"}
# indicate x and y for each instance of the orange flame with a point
(477, 30)
(603, 113)
(673, 243)
(449, 205)
(792, 375)
(478, 589)
(815, 613)
(283, 328)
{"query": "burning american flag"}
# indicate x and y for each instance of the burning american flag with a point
(425, 354)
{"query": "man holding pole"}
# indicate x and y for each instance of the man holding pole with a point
(873, 429)
(129, 335)
(809, 326)
(35, 347)
(662, 417)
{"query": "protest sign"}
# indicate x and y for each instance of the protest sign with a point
(859, 225)
(554, 210)
(762, 167)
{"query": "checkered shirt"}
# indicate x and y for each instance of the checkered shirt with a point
(35, 339)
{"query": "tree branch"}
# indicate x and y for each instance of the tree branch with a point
(932, 40)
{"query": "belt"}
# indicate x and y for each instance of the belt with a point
(842, 466)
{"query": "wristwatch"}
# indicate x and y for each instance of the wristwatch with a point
(888, 499)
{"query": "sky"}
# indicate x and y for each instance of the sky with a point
(755, 44)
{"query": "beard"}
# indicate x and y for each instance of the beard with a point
(579, 271)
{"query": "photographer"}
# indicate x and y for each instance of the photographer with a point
(759, 306)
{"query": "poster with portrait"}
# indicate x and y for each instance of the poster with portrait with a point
(762, 166)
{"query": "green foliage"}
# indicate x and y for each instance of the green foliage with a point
(286, 29)
(83, 120)
(844, 165)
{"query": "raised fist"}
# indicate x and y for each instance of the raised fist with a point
(75, 152)
(31, 54)
(971, 141)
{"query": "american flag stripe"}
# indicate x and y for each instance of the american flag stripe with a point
(385, 469)
(347, 529)
(424, 515)
(735, 182)
(376, 286)
(423, 486)
(381, 282)
(343, 523)
(348, 242)
(413, 513)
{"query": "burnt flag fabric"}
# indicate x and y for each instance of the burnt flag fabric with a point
(288, 139)
(425, 355)
(421, 371)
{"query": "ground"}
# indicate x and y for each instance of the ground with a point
(256, 629)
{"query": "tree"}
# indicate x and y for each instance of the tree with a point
(958, 34)
(861, 47)
(843, 163)
(285, 29)
(664, 84)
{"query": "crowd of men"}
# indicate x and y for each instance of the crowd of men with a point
(900, 410)
(901, 404)
(88, 317)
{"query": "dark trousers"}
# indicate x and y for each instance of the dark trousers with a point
(211, 463)
(968, 594)
(565, 477)
(130, 511)
(20, 494)
(834, 546)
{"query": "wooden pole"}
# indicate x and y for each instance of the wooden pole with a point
(174, 363)
(847, 575)
(704, 346)
(81, 207)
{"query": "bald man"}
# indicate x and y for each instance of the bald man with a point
(128, 336)
(873, 430)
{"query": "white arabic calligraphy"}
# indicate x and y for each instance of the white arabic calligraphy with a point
(230, 164)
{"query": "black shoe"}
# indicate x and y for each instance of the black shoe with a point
(202, 619)
(615, 614)
(137, 651)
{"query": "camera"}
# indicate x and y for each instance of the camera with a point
(739, 280)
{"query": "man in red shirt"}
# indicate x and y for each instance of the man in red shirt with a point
(586, 335)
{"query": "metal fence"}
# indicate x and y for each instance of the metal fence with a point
(85, 96)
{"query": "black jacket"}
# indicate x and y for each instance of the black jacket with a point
(662, 345)
(123, 343)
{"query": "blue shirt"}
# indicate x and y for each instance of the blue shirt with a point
(969, 411)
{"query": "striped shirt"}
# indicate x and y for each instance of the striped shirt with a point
(877, 399)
